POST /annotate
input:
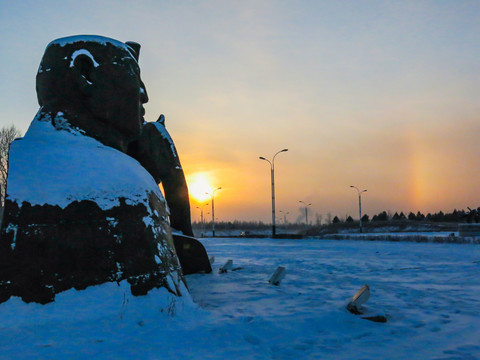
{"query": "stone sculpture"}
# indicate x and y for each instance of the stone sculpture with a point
(156, 151)
(80, 211)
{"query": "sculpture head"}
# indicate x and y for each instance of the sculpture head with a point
(96, 82)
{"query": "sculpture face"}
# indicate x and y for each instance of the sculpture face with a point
(96, 82)
(117, 95)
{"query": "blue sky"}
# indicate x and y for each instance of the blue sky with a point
(378, 94)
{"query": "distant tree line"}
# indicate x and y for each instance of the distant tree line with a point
(456, 216)
(384, 217)
(240, 225)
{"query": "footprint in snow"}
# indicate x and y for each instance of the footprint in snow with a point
(252, 339)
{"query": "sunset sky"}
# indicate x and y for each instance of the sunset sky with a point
(383, 95)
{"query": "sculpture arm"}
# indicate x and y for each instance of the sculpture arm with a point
(176, 194)
(156, 152)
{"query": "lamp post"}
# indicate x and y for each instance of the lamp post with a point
(359, 205)
(272, 174)
(213, 209)
(201, 217)
(306, 211)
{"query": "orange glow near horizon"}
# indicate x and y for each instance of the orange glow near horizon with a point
(199, 185)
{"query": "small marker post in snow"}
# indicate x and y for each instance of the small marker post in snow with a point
(277, 276)
(228, 266)
(360, 298)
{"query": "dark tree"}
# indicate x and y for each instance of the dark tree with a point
(7, 135)
(440, 216)
(383, 216)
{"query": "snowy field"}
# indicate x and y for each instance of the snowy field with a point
(430, 294)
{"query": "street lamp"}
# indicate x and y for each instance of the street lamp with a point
(213, 209)
(201, 217)
(272, 173)
(306, 211)
(359, 205)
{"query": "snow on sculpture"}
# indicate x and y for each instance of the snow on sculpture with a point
(80, 211)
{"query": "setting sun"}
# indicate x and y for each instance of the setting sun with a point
(198, 186)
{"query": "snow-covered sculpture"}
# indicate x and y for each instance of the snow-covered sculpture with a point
(156, 151)
(80, 211)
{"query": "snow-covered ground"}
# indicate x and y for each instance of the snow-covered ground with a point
(430, 294)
